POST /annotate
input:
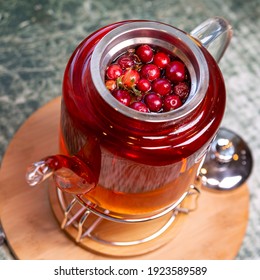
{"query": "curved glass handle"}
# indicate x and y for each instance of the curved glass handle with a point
(214, 34)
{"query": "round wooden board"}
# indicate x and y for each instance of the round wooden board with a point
(215, 230)
(135, 238)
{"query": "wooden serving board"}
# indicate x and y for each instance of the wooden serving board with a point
(215, 230)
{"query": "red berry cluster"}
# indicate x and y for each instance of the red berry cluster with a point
(148, 79)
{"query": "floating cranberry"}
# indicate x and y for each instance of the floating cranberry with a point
(130, 78)
(153, 102)
(161, 86)
(148, 79)
(122, 96)
(126, 61)
(114, 71)
(175, 71)
(182, 90)
(143, 85)
(161, 60)
(150, 72)
(171, 102)
(139, 106)
(111, 85)
(145, 53)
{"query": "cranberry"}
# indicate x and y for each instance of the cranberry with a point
(153, 102)
(175, 71)
(171, 102)
(114, 71)
(148, 79)
(122, 96)
(161, 60)
(126, 61)
(130, 78)
(143, 85)
(150, 72)
(111, 85)
(182, 90)
(161, 86)
(139, 106)
(145, 53)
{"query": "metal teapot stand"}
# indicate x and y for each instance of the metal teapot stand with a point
(214, 230)
(111, 237)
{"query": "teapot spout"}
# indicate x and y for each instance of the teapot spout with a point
(70, 174)
(38, 172)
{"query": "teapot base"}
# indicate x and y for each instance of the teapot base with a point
(112, 237)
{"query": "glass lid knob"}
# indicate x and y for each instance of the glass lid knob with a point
(228, 163)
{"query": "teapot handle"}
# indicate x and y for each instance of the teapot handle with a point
(215, 35)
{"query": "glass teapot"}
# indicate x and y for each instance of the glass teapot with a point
(125, 163)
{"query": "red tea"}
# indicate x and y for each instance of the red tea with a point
(127, 186)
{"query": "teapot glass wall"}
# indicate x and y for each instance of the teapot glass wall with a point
(126, 163)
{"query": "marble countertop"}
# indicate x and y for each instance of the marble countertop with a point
(37, 38)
